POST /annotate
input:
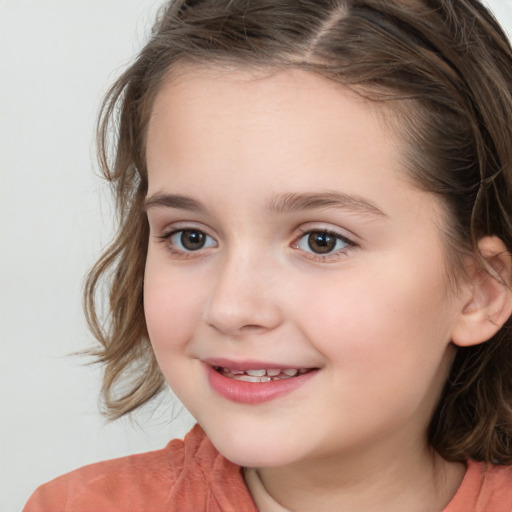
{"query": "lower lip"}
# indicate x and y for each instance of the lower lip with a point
(255, 392)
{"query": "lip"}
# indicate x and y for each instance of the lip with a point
(253, 392)
(248, 365)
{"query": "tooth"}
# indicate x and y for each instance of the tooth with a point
(249, 378)
(234, 372)
(290, 372)
(303, 370)
(256, 373)
(273, 372)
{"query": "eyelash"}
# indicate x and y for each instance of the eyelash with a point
(330, 256)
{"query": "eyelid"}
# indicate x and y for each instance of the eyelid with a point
(175, 227)
(343, 234)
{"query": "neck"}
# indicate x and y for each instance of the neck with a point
(401, 480)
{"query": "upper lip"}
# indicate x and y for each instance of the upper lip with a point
(251, 364)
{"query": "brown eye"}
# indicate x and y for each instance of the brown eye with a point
(321, 242)
(189, 240)
(324, 243)
(192, 240)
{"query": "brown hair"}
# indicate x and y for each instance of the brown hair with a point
(443, 66)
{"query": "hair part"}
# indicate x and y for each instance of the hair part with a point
(444, 71)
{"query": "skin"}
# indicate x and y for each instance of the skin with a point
(375, 316)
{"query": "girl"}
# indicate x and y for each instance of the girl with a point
(314, 251)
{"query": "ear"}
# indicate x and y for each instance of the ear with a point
(487, 303)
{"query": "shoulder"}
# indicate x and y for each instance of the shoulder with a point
(187, 473)
(485, 488)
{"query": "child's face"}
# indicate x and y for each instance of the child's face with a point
(296, 242)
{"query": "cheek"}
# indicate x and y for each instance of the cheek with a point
(381, 323)
(385, 358)
(172, 306)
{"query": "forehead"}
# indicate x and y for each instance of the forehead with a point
(233, 114)
(256, 90)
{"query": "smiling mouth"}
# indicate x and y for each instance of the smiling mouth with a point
(263, 375)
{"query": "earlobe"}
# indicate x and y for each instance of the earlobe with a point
(489, 298)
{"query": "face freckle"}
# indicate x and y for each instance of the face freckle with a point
(366, 314)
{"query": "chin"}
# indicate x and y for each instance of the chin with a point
(256, 456)
(252, 449)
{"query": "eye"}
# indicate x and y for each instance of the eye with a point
(322, 242)
(189, 240)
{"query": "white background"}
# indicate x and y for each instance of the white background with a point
(57, 57)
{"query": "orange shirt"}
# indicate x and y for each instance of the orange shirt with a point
(485, 488)
(191, 475)
(188, 475)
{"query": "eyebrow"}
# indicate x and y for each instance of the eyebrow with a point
(282, 203)
(308, 201)
(177, 201)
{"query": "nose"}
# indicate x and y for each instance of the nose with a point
(243, 298)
